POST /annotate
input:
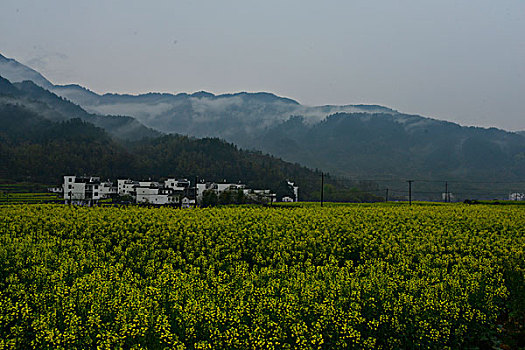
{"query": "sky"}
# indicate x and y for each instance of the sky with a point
(456, 60)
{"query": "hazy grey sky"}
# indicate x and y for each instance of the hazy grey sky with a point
(457, 60)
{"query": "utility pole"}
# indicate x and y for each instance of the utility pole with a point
(446, 192)
(410, 191)
(322, 188)
(196, 190)
(386, 195)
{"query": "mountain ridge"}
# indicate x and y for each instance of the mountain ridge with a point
(12, 70)
(348, 140)
(57, 108)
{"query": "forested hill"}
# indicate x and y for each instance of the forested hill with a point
(403, 146)
(36, 149)
(55, 108)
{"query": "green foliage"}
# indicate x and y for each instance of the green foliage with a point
(232, 197)
(399, 145)
(346, 277)
(209, 199)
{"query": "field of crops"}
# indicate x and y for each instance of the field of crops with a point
(341, 277)
(26, 193)
(29, 198)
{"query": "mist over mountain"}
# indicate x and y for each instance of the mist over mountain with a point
(352, 140)
(235, 117)
(55, 108)
(14, 71)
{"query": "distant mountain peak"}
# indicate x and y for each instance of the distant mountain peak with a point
(74, 86)
(261, 96)
(6, 88)
(255, 96)
(6, 59)
(375, 108)
(15, 72)
(202, 94)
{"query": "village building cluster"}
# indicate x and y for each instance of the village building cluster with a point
(89, 190)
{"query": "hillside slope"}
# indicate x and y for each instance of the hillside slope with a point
(55, 108)
(388, 145)
(36, 149)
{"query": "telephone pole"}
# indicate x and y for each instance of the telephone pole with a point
(410, 191)
(386, 195)
(322, 188)
(446, 192)
(196, 192)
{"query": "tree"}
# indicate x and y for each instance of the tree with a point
(209, 198)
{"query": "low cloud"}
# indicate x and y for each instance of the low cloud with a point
(43, 59)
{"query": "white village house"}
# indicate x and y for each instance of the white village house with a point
(218, 188)
(126, 187)
(153, 193)
(259, 195)
(81, 190)
(86, 190)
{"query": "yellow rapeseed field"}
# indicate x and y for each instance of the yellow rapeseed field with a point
(338, 277)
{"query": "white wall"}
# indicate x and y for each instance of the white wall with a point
(125, 187)
(154, 196)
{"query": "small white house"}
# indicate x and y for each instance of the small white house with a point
(201, 187)
(107, 189)
(187, 202)
(177, 185)
(155, 194)
(126, 187)
(82, 190)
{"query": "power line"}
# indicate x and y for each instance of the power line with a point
(427, 180)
